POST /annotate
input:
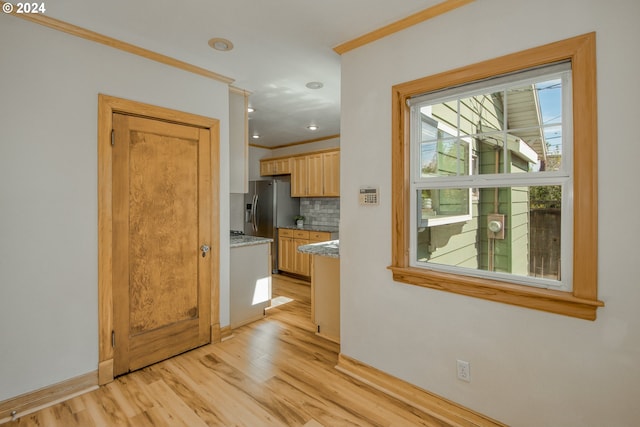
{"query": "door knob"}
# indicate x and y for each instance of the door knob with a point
(204, 249)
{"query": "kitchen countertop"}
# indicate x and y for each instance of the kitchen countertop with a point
(329, 249)
(326, 228)
(242, 240)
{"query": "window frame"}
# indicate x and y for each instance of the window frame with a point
(442, 219)
(562, 177)
(582, 301)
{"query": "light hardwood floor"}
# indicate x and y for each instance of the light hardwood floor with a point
(273, 372)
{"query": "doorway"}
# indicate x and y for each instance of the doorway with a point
(158, 234)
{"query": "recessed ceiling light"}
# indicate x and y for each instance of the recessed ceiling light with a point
(255, 136)
(314, 85)
(220, 44)
(312, 127)
(250, 110)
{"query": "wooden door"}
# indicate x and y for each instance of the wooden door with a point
(301, 259)
(331, 173)
(283, 166)
(314, 175)
(162, 189)
(266, 167)
(286, 254)
(299, 177)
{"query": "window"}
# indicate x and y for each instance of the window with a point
(512, 124)
(494, 177)
(440, 154)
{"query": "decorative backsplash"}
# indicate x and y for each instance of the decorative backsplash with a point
(321, 211)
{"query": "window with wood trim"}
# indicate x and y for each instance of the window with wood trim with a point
(495, 179)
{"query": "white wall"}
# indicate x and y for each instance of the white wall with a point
(255, 154)
(49, 85)
(528, 368)
(236, 211)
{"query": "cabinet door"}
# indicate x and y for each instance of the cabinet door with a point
(302, 261)
(299, 177)
(331, 173)
(283, 166)
(319, 236)
(286, 248)
(266, 168)
(314, 175)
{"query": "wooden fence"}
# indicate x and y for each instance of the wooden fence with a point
(544, 253)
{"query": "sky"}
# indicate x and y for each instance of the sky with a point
(550, 96)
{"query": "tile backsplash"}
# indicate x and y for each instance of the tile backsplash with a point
(321, 211)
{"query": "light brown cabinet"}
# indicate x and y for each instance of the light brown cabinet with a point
(289, 259)
(331, 173)
(306, 176)
(286, 251)
(270, 167)
(299, 176)
(312, 175)
(316, 175)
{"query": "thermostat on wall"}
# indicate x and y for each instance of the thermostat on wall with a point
(368, 196)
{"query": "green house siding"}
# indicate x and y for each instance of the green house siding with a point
(518, 230)
(450, 244)
(511, 254)
(478, 114)
(467, 243)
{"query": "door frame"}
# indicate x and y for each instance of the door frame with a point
(107, 105)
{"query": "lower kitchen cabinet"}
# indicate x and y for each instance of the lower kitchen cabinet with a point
(289, 259)
(286, 251)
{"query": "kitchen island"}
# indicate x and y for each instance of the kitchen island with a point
(250, 275)
(325, 287)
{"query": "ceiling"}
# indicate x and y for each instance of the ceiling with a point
(279, 46)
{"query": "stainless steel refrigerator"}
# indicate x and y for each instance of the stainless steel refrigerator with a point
(269, 205)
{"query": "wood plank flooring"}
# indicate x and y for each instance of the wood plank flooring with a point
(273, 372)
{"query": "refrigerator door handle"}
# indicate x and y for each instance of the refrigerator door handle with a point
(254, 212)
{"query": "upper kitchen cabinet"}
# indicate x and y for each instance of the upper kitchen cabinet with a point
(316, 175)
(279, 166)
(331, 173)
(238, 141)
(306, 176)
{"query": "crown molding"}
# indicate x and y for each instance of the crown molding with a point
(416, 18)
(86, 34)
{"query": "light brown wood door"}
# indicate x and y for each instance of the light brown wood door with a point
(302, 260)
(331, 173)
(285, 254)
(299, 178)
(162, 189)
(314, 175)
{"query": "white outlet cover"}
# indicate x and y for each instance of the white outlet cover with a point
(463, 370)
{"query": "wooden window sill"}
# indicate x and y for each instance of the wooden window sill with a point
(552, 301)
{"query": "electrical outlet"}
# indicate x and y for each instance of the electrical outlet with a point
(464, 371)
